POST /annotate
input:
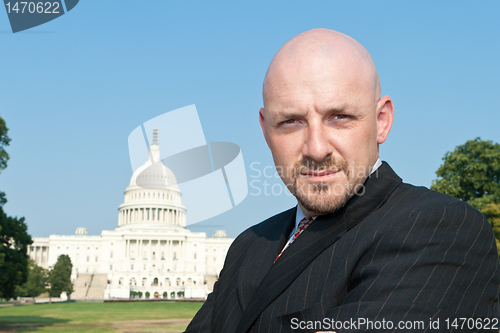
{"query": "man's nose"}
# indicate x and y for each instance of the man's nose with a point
(317, 144)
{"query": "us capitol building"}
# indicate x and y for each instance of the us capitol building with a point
(150, 251)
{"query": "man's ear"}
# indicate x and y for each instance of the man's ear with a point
(385, 116)
(262, 122)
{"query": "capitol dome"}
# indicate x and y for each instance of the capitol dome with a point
(152, 196)
(153, 175)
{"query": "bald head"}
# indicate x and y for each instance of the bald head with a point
(321, 56)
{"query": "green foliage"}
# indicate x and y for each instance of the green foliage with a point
(14, 238)
(492, 213)
(60, 277)
(148, 294)
(37, 281)
(165, 294)
(14, 242)
(4, 141)
(2, 254)
(471, 173)
(139, 294)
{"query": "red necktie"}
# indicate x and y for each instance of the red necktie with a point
(303, 224)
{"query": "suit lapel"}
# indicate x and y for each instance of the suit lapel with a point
(262, 253)
(320, 235)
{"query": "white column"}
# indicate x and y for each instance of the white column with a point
(150, 246)
(140, 250)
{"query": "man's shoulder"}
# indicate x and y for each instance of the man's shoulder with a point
(411, 200)
(422, 196)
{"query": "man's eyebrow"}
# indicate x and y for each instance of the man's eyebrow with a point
(289, 114)
(340, 109)
(292, 114)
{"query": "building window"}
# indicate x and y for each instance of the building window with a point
(110, 267)
(111, 254)
(144, 266)
(96, 258)
(195, 255)
(88, 258)
(132, 267)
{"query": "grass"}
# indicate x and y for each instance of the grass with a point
(74, 314)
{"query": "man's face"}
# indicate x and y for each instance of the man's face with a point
(322, 131)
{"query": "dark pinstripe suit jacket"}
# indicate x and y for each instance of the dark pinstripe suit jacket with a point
(396, 252)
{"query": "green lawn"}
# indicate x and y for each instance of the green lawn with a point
(75, 314)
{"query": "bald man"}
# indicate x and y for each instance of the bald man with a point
(362, 251)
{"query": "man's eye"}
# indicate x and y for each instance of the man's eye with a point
(289, 121)
(340, 116)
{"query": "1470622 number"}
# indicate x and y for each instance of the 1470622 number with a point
(472, 323)
(33, 7)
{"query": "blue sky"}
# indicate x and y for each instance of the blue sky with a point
(73, 89)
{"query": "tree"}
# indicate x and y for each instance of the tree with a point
(471, 173)
(4, 141)
(2, 255)
(14, 240)
(60, 277)
(37, 281)
(492, 213)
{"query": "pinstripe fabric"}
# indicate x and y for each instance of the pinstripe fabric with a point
(397, 252)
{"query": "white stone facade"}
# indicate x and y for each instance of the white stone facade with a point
(151, 250)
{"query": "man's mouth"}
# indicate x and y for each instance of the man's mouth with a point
(319, 174)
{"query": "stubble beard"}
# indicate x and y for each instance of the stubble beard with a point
(322, 198)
